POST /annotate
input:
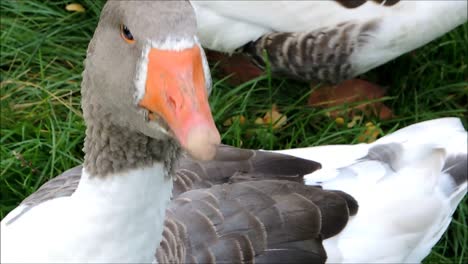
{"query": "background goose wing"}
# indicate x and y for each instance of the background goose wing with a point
(324, 40)
(61, 186)
(227, 25)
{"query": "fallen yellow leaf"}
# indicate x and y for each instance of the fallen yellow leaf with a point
(370, 134)
(259, 121)
(339, 121)
(353, 122)
(275, 118)
(74, 7)
(231, 120)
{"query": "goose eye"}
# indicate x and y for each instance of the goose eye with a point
(126, 34)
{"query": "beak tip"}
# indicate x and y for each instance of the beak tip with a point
(202, 143)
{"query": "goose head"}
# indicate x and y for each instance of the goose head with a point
(146, 71)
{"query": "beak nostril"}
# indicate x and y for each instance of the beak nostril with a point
(172, 103)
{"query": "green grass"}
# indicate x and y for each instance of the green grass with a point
(42, 130)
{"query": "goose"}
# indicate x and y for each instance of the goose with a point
(227, 204)
(329, 41)
(407, 184)
(145, 105)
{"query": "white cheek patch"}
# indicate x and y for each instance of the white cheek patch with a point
(174, 44)
(141, 73)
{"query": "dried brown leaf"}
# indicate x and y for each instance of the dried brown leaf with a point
(351, 91)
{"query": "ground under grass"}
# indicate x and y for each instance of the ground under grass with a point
(42, 130)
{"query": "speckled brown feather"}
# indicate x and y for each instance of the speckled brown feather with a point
(321, 54)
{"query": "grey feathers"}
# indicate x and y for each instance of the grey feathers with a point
(233, 164)
(386, 153)
(111, 148)
(321, 54)
(457, 168)
(259, 221)
(118, 137)
(61, 186)
(393, 153)
(250, 206)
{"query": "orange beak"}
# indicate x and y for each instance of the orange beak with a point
(175, 90)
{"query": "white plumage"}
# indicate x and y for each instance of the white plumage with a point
(122, 214)
(404, 207)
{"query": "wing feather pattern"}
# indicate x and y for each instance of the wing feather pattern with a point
(250, 206)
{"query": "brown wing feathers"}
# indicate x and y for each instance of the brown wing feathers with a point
(61, 186)
(239, 212)
(259, 221)
(234, 164)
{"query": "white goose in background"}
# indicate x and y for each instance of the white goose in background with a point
(324, 40)
(144, 99)
(407, 184)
